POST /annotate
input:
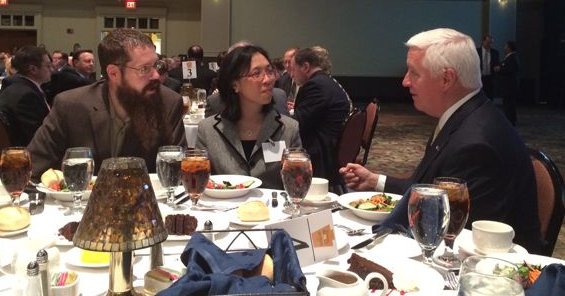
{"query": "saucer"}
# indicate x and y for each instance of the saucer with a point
(466, 246)
(327, 201)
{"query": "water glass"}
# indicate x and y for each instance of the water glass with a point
(428, 217)
(484, 276)
(168, 170)
(78, 168)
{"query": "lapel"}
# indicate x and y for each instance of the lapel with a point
(434, 149)
(228, 131)
(100, 119)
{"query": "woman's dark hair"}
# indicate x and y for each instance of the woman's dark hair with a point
(234, 66)
(511, 45)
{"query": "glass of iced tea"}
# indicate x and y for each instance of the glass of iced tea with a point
(195, 172)
(296, 176)
(459, 203)
(15, 171)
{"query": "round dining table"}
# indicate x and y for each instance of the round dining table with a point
(395, 251)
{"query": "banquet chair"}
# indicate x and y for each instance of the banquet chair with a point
(372, 112)
(4, 135)
(550, 193)
(349, 142)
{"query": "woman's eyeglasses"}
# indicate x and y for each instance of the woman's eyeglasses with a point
(259, 74)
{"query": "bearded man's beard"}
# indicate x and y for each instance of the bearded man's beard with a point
(144, 110)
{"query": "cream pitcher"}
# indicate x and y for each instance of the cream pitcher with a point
(334, 282)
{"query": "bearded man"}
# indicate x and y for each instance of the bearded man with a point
(126, 114)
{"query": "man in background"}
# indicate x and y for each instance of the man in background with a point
(489, 59)
(22, 103)
(321, 108)
(472, 140)
(127, 113)
(60, 60)
(80, 74)
(285, 82)
(204, 75)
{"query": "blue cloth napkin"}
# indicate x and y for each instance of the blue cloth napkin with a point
(551, 282)
(209, 269)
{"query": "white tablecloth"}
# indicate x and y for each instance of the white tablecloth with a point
(94, 281)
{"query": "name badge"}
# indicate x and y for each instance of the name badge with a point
(273, 151)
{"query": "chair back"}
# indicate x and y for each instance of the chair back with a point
(372, 112)
(4, 135)
(350, 141)
(550, 194)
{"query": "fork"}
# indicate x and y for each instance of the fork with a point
(451, 280)
(350, 231)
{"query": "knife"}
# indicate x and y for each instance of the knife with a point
(379, 234)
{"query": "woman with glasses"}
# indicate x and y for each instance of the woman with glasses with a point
(248, 136)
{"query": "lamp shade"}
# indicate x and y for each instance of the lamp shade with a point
(122, 213)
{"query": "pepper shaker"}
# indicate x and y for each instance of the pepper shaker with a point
(43, 261)
(274, 200)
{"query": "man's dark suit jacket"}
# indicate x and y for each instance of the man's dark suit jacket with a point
(285, 83)
(488, 80)
(478, 145)
(203, 79)
(321, 108)
(65, 79)
(215, 105)
(81, 118)
(24, 107)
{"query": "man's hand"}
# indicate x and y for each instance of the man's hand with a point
(358, 177)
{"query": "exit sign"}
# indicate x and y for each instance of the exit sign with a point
(129, 4)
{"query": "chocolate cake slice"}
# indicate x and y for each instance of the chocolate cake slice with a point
(362, 267)
(180, 224)
(68, 231)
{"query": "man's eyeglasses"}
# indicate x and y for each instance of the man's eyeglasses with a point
(145, 70)
(259, 74)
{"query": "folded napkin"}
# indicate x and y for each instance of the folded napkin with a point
(550, 283)
(209, 269)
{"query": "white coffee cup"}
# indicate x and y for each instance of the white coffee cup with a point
(318, 189)
(492, 237)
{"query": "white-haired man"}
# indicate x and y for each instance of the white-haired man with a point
(472, 140)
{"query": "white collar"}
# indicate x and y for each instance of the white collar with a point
(447, 114)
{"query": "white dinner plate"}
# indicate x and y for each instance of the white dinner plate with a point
(375, 216)
(330, 198)
(341, 239)
(414, 277)
(73, 258)
(467, 247)
(5, 199)
(13, 233)
(396, 246)
(234, 180)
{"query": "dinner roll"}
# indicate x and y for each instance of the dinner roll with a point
(14, 218)
(253, 211)
(267, 267)
(51, 176)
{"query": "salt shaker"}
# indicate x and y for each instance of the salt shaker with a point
(43, 262)
(33, 280)
(207, 227)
